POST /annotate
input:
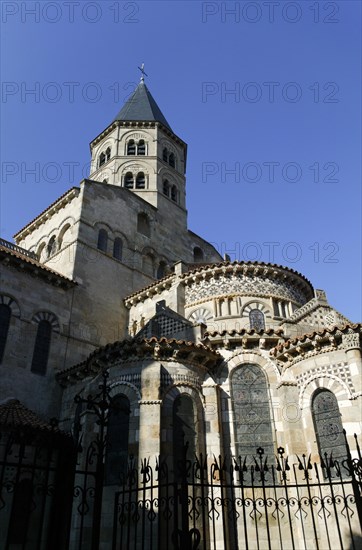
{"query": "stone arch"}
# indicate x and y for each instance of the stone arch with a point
(62, 232)
(127, 388)
(109, 142)
(167, 410)
(7, 300)
(254, 304)
(49, 317)
(103, 225)
(134, 166)
(271, 370)
(327, 381)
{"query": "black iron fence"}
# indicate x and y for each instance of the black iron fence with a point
(53, 495)
(36, 485)
(227, 504)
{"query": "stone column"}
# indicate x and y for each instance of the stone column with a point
(150, 412)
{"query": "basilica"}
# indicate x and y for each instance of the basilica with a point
(216, 357)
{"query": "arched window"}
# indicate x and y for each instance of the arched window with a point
(108, 153)
(117, 248)
(141, 147)
(171, 160)
(147, 264)
(256, 319)
(102, 240)
(5, 316)
(128, 180)
(198, 254)
(161, 270)
(117, 440)
(328, 425)
(253, 428)
(61, 236)
(174, 193)
(166, 188)
(143, 224)
(52, 246)
(102, 159)
(184, 429)
(131, 147)
(105, 180)
(165, 154)
(140, 180)
(41, 347)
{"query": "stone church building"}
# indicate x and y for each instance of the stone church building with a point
(226, 357)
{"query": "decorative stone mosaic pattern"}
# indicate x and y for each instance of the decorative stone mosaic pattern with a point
(341, 370)
(243, 284)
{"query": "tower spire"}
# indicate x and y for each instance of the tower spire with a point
(143, 73)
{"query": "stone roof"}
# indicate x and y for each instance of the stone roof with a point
(14, 414)
(136, 349)
(141, 106)
(317, 334)
(194, 269)
(248, 332)
(19, 260)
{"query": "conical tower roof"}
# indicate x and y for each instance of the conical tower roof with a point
(141, 106)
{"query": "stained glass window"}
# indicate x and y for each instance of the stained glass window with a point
(328, 425)
(253, 428)
(256, 319)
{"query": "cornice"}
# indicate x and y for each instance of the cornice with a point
(163, 349)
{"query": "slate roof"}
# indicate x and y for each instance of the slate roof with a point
(141, 106)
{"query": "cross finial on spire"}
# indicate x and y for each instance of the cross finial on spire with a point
(143, 74)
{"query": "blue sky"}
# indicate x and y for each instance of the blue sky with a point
(266, 94)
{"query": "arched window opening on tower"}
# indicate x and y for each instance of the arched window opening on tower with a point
(256, 319)
(165, 154)
(108, 154)
(102, 159)
(41, 347)
(52, 246)
(328, 425)
(117, 440)
(131, 147)
(143, 224)
(102, 240)
(5, 316)
(198, 254)
(140, 180)
(105, 180)
(166, 188)
(141, 147)
(161, 270)
(117, 248)
(128, 180)
(174, 193)
(172, 161)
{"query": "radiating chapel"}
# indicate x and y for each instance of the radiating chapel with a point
(227, 357)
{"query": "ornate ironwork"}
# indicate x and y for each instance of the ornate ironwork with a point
(288, 504)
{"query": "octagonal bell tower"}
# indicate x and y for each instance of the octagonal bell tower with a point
(140, 152)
